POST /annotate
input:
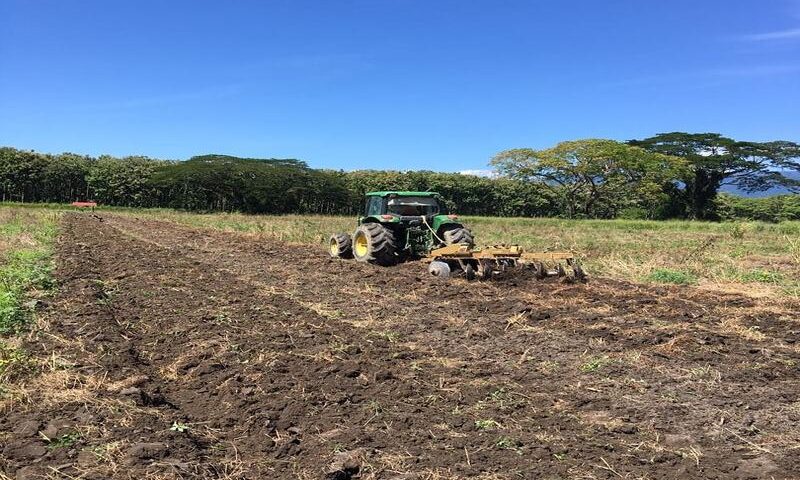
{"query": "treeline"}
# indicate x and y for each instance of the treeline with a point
(776, 208)
(675, 175)
(223, 183)
(465, 194)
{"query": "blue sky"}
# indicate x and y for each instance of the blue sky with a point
(401, 84)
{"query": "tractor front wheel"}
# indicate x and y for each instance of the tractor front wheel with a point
(340, 245)
(374, 243)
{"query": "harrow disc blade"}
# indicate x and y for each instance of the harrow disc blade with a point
(484, 263)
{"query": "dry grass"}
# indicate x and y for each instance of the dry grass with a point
(755, 258)
(761, 259)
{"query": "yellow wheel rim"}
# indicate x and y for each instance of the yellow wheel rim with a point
(334, 248)
(361, 246)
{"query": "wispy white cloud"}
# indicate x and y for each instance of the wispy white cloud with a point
(479, 173)
(790, 34)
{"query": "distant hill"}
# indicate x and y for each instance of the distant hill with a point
(766, 193)
(726, 189)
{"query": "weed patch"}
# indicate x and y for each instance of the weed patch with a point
(508, 443)
(595, 364)
(666, 275)
(13, 363)
(26, 270)
(25, 275)
(179, 427)
(762, 276)
(738, 230)
(64, 441)
(486, 424)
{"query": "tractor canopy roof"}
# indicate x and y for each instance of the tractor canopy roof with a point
(402, 193)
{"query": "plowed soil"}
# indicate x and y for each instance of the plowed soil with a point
(185, 353)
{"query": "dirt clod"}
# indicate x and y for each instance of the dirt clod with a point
(344, 466)
(755, 468)
(24, 450)
(56, 427)
(146, 451)
(27, 428)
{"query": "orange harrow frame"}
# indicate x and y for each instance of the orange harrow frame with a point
(485, 262)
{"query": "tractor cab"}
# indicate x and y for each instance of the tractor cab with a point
(414, 206)
(424, 212)
(403, 204)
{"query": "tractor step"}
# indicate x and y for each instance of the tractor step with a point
(486, 262)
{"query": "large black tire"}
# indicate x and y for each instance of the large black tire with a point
(374, 243)
(340, 245)
(461, 235)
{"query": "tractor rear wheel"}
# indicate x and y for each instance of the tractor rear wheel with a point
(458, 235)
(375, 243)
(340, 245)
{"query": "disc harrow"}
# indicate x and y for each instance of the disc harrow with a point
(487, 262)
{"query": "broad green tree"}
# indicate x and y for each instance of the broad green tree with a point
(221, 182)
(123, 181)
(713, 161)
(22, 174)
(65, 178)
(594, 177)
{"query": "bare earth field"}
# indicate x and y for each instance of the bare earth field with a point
(177, 352)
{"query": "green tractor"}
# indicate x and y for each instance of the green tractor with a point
(399, 225)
